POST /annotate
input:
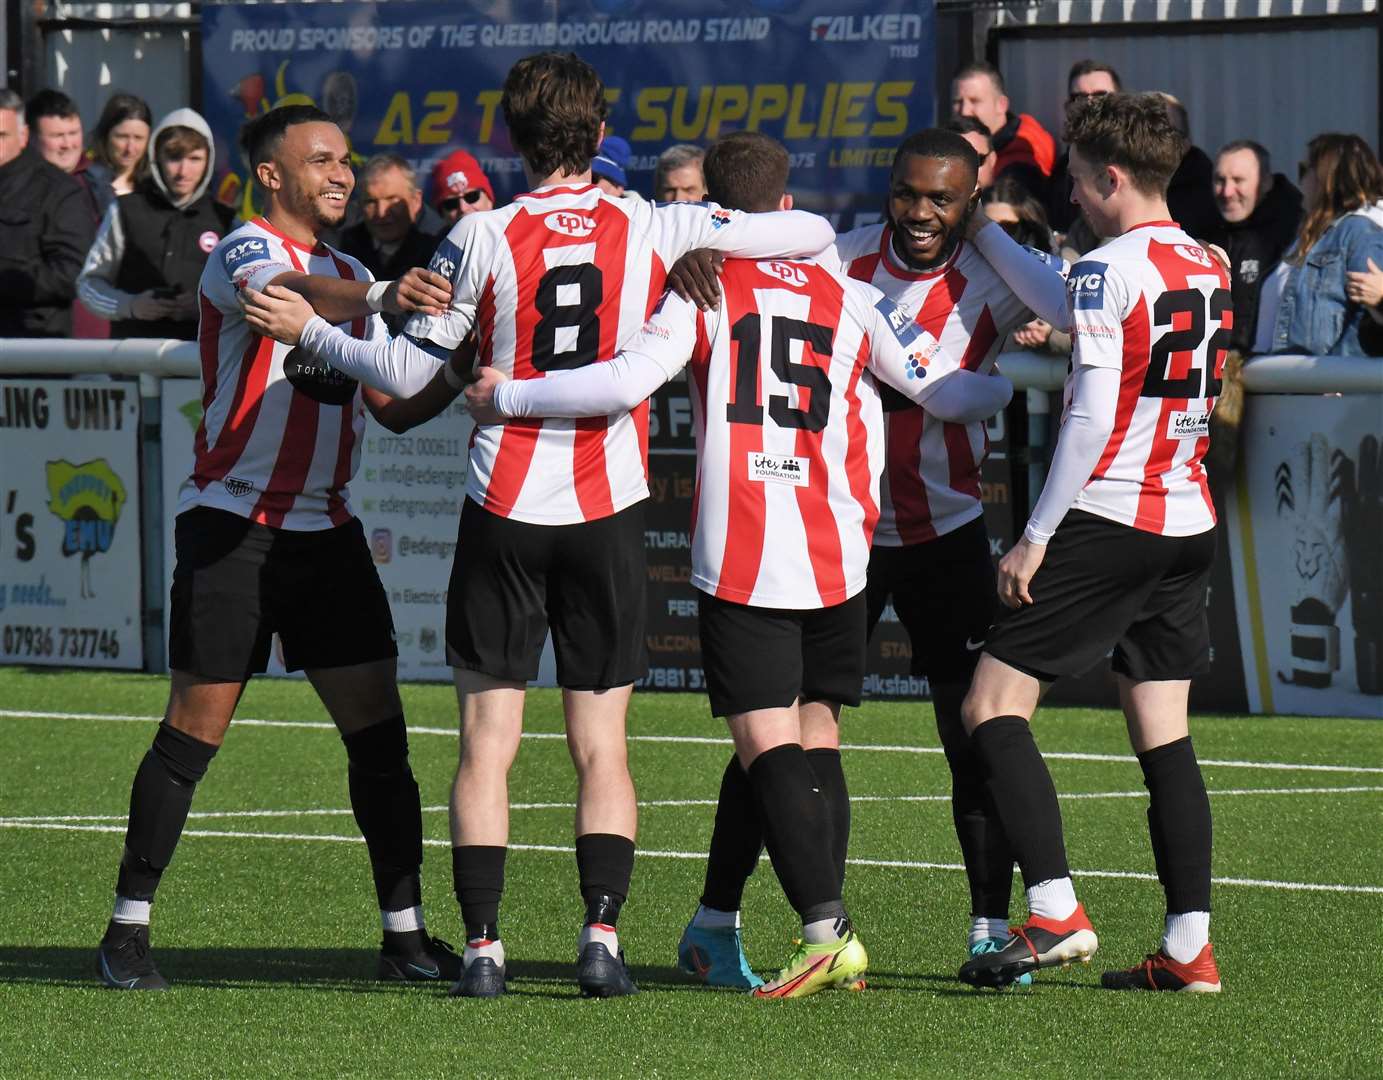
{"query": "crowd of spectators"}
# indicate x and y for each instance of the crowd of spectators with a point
(112, 229)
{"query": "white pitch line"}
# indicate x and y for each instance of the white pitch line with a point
(701, 740)
(655, 803)
(892, 864)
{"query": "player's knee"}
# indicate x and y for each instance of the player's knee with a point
(381, 748)
(185, 757)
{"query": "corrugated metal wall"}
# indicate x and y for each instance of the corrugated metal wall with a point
(1280, 84)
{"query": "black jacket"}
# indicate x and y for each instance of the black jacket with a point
(166, 247)
(1191, 195)
(46, 228)
(416, 250)
(1256, 245)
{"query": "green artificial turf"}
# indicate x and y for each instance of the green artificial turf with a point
(269, 935)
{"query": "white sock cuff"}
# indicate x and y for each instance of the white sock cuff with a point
(1054, 898)
(713, 919)
(984, 927)
(400, 922)
(608, 938)
(132, 912)
(1185, 934)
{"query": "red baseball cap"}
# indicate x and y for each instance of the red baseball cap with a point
(456, 174)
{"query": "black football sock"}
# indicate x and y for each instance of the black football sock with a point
(984, 845)
(477, 872)
(736, 841)
(1024, 795)
(830, 778)
(160, 798)
(797, 824)
(384, 798)
(1179, 824)
(605, 863)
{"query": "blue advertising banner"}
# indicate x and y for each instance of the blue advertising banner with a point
(420, 79)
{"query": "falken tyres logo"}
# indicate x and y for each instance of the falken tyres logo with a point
(867, 28)
(88, 499)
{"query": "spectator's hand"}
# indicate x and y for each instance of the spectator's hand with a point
(977, 220)
(147, 307)
(1016, 570)
(185, 306)
(420, 291)
(480, 395)
(693, 277)
(277, 312)
(1365, 286)
(1034, 335)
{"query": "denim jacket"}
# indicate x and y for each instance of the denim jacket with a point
(1314, 317)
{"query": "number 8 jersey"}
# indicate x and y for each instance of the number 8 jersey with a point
(1153, 304)
(558, 279)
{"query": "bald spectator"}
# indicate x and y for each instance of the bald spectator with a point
(1023, 148)
(1260, 212)
(56, 128)
(460, 187)
(1191, 194)
(45, 234)
(977, 135)
(1086, 79)
(390, 240)
(677, 176)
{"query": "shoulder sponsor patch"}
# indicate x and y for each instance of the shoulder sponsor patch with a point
(1085, 285)
(243, 253)
(720, 217)
(446, 260)
(899, 321)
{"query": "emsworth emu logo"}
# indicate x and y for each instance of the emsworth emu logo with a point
(570, 223)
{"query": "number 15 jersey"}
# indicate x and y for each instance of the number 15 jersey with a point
(1153, 304)
(558, 279)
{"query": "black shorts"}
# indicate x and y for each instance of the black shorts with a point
(1106, 586)
(512, 581)
(236, 583)
(767, 658)
(943, 592)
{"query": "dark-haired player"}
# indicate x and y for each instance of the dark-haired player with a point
(1118, 550)
(789, 450)
(551, 535)
(267, 543)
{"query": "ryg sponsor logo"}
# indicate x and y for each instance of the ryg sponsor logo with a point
(1086, 285)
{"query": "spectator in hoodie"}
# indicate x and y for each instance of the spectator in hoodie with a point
(1260, 211)
(142, 271)
(1191, 194)
(120, 143)
(1024, 149)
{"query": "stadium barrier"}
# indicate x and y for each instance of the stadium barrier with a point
(81, 458)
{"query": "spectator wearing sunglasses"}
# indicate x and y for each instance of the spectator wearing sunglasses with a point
(460, 187)
(1086, 79)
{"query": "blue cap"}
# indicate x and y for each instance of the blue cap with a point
(612, 160)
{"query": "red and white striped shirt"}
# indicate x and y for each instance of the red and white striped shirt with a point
(280, 433)
(562, 278)
(932, 469)
(789, 429)
(1154, 305)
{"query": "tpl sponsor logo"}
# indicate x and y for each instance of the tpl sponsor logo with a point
(785, 272)
(1194, 254)
(570, 223)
